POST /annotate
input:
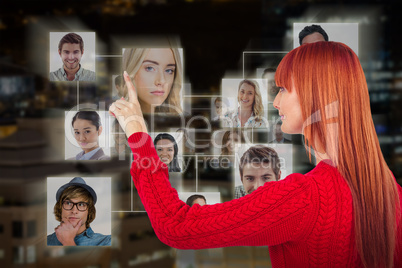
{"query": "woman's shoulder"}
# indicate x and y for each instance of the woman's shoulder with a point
(329, 182)
(296, 179)
(322, 174)
(323, 170)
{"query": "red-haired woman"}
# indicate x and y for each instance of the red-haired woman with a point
(346, 212)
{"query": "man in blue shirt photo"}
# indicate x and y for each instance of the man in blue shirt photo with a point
(75, 210)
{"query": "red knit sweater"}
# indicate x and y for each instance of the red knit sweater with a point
(306, 220)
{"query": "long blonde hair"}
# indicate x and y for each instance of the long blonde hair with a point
(333, 94)
(132, 60)
(258, 108)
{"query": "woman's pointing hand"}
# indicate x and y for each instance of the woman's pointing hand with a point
(129, 113)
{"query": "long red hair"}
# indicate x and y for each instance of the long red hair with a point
(333, 94)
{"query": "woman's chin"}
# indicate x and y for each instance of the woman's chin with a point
(166, 162)
(153, 105)
(289, 130)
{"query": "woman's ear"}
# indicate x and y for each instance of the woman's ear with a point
(100, 130)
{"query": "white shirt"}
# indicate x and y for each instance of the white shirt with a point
(232, 119)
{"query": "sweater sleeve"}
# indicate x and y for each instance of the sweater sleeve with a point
(275, 213)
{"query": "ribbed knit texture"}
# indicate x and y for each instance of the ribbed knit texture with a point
(306, 220)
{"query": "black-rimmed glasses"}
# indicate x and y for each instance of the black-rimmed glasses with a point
(81, 206)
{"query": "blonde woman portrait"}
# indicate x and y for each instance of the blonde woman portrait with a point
(157, 73)
(250, 110)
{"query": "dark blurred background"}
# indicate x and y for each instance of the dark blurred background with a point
(213, 35)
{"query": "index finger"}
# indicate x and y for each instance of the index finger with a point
(132, 92)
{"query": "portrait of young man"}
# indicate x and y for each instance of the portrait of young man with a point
(347, 33)
(312, 34)
(268, 80)
(200, 198)
(71, 51)
(279, 137)
(258, 165)
(75, 210)
(196, 199)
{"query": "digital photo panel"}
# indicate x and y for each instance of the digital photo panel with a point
(78, 211)
(157, 74)
(276, 135)
(72, 56)
(247, 103)
(201, 198)
(169, 150)
(219, 107)
(87, 135)
(228, 142)
(261, 163)
(266, 71)
(347, 33)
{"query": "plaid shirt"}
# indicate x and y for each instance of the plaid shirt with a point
(239, 192)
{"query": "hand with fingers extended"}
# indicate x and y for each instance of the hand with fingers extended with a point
(66, 232)
(129, 113)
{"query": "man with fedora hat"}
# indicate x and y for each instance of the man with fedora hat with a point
(75, 210)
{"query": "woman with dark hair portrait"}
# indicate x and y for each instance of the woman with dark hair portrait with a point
(346, 212)
(167, 150)
(230, 140)
(87, 128)
(230, 143)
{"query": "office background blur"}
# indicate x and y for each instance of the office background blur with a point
(213, 35)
